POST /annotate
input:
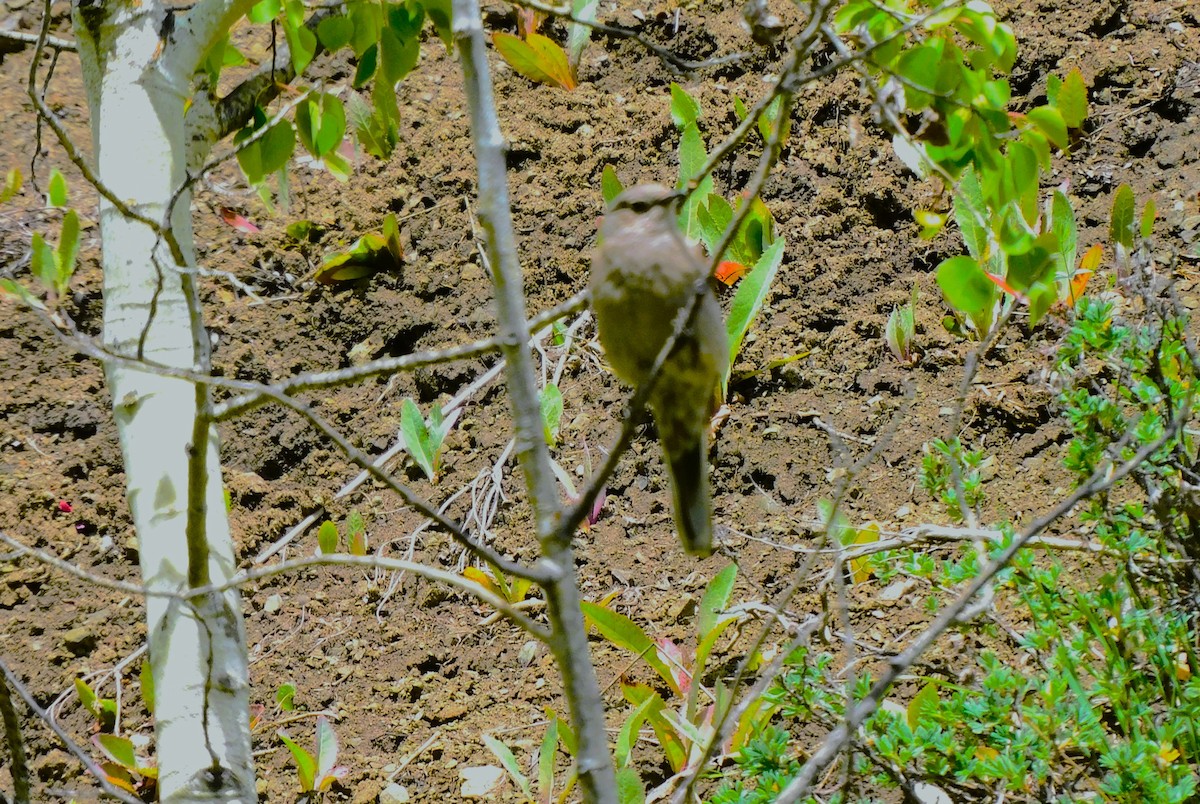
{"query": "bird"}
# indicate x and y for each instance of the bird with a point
(643, 274)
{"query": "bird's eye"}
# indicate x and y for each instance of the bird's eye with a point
(641, 206)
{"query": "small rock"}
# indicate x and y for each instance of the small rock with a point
(80, 641)
(480, 781)
(394, 794)
(272, 604)
(451, 711)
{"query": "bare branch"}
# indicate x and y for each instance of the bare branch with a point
(33, 39)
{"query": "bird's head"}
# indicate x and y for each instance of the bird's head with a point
(643, 198)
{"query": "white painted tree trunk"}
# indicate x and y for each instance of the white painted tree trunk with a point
(137, 91)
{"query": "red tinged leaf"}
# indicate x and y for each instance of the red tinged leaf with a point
(528, 21)
(597, 506)
(672, 657)
(1087, 268)
(1007, 288)
(729, 272)
(237, 221)
(64, 506)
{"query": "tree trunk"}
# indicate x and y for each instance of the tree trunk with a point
(137, 99)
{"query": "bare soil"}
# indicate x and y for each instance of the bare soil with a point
(412, 675)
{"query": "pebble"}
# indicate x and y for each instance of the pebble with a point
(393, 794)
(80, 641)
(480, 781)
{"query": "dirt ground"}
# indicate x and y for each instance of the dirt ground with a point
(411, 674)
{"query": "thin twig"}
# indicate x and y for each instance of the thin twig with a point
(80, 754)
(1102, 479)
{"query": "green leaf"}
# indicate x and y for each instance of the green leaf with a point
(685, 110)
(1042, 296)
(285, 697)
(337, 166)
(509, 762)
(56, 191)
(1071, 100)
(970, 212)
(1063, 226)
(265, 11)
(536, 57)
(1049, 121)
(628, 735)
(1035, 265)
(552, 411)
(356, 533)
(12, 185)
(625, 633)
(306, 766)
(335, 32)
(692, 155)
(327, 538)
(87, 697)
(578, 34)
(327, 749)
(546, 760)
(713, 216)
(118, 749)
(367, 62)
(1120, 229)
(440, 14)
(399, 41)
(766, 122)
(716, 598)
(920, 67)
(277, 146)
(707, 642)
(303, 45)
(669, 739)
(610, 184)
(1053, 87)
(566, 735)
(43, 263)
(416, 436)
(146, 676)
(968, 289)
(1146, 223)
(748, 301)
(629, 787)
(922, 704)
(368, 255)
(68, 250)
(739, 108)
(368, 21)
(19, 292)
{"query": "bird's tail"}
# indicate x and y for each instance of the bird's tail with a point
(688, 467)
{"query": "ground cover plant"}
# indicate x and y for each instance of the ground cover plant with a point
(337, 341)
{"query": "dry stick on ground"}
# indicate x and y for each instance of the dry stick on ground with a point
(80, 754)
(1104, 478)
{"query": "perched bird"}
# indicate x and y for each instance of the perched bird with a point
(643, 274)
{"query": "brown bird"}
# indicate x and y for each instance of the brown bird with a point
(643, 274)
